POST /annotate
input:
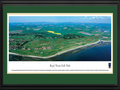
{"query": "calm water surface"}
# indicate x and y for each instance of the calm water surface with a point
(97, 53)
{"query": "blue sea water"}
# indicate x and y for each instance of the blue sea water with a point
(99, 53)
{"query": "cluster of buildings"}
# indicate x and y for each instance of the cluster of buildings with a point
(15, 44)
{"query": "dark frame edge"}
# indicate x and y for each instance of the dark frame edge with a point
(62, 86)
(1, 45)
(60, 1)
(118, 44)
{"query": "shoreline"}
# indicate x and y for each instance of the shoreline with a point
(61, 51)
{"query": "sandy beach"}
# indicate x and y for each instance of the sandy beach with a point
(61, 51)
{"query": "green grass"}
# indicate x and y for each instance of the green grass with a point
(48, 47)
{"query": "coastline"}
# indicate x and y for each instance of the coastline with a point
(59, 53)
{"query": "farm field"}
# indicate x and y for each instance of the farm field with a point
(46, 39)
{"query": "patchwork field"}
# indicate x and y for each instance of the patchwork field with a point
(49, 39)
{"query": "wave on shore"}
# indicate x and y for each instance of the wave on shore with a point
(59, 53)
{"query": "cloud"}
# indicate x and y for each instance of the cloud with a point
(81, 19)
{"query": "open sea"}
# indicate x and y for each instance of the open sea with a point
(96, 53)
(99, 53)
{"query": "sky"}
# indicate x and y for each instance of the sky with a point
(80, 19)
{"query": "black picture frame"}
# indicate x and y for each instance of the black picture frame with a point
(61, 2)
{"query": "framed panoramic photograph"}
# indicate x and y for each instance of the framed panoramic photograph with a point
(71, 43)
(60, 44)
